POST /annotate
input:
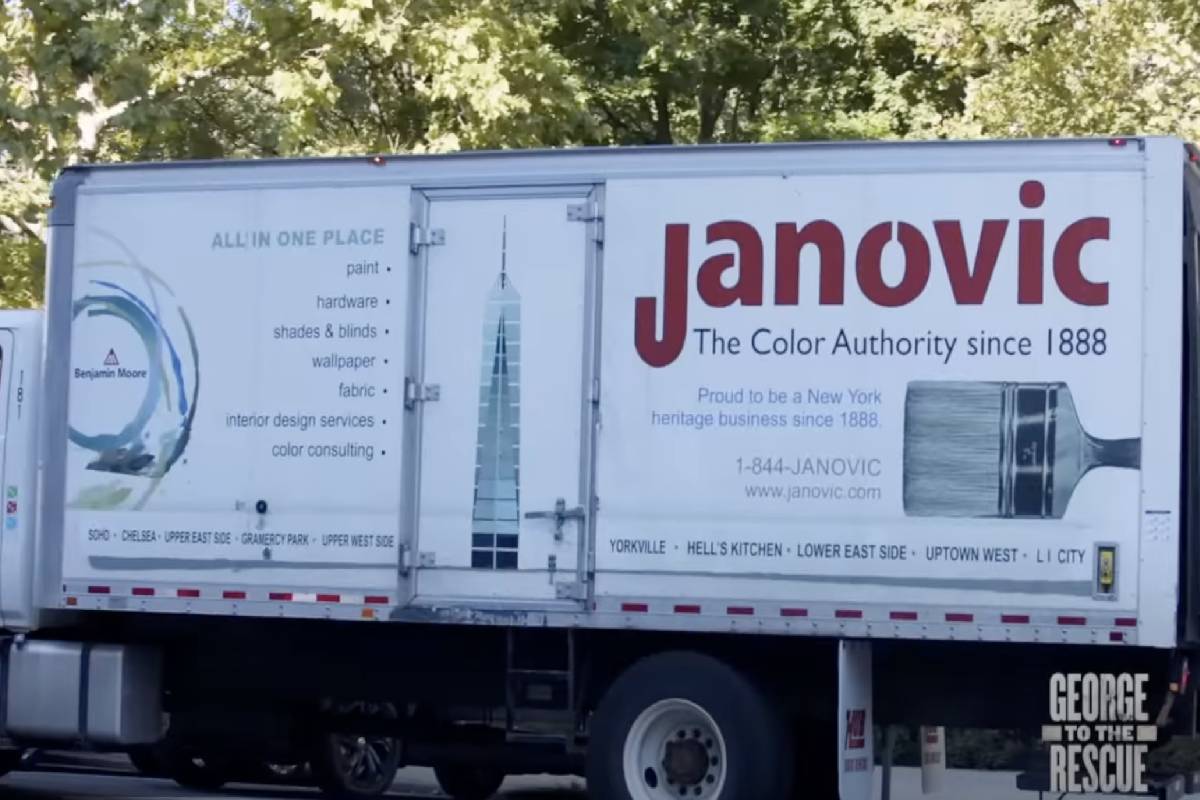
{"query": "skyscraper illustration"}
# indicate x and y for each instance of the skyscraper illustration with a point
(495, 516)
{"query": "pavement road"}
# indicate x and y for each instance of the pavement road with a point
(107, 778)
(96, 782)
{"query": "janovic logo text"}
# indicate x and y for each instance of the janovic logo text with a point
(1100, 735)
(729, 278)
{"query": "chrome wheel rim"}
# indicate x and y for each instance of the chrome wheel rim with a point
(674, 749)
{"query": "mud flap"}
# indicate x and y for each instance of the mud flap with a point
(856, 741)
(933, 758)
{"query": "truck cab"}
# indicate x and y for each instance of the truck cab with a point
(20, 370)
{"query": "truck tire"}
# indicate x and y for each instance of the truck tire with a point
(685, 724)
(355, 767)
(465, 782)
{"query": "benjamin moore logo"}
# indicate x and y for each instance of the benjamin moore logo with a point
(1101, 732)
(112, 369)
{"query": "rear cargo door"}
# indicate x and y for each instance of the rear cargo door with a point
(506, 411)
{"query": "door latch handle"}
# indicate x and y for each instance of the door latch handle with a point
(560, 515)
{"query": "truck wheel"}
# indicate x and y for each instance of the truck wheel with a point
(355, 767)
(686, 725)
(463, 782)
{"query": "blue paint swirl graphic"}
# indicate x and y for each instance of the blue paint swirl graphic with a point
(169, 387)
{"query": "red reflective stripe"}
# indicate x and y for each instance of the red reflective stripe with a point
(903, 615)
(329, 598)
(793, 612)
(687, 609)
(740, 611)
(848, 613)
(99, 590)
(187, 592)
(142, 591)
(635, 607)
(233, 594)
(379, 599)
(1126, 622)
(1014, 619)
(1116, 636)
(280, 595)
(1072, 621)
(958, 616)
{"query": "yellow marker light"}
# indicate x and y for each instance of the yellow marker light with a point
(1106, 572)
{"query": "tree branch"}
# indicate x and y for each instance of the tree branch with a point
(90, 122)
(19, 226)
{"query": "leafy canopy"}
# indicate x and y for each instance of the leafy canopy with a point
(85, 80)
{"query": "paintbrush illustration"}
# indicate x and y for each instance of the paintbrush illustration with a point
(999, 449)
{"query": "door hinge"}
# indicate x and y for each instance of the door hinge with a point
(420, 393)
(585, 212)
(425, 559)
(419, 236)
(581, 212)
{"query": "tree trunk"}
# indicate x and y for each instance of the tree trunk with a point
(712, 105)
(735, 132)
(662, 114)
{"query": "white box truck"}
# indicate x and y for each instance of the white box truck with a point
(681, 468)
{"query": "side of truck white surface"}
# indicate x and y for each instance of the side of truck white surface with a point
(681, 467)
(648, 388)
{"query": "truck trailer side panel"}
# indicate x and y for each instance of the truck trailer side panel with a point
(835, 394)
(894, 390)
(237, 371)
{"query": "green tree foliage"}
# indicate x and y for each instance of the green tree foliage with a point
(704, 70)
(1057, 67)
(417, 75)
(1119, 66)
(99, 81)
(105, 80)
